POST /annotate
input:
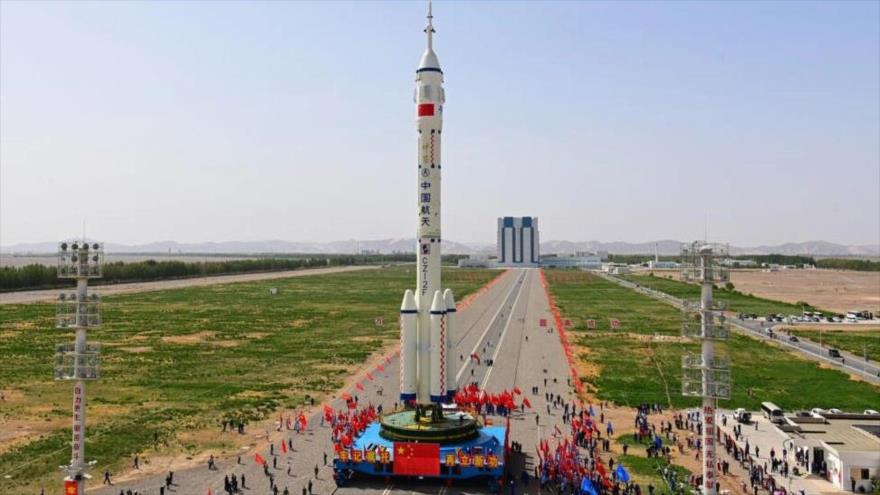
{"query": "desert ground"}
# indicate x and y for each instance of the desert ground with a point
(834, 290)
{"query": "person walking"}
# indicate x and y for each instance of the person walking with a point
(107, 478)
(310, 487)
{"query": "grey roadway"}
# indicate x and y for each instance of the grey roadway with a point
(501, 324)
(866, 369)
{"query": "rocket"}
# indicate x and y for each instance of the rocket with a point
(425, 317)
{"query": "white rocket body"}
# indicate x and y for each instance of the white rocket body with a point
(438, 348)
(429, 99)
(451, 387)
(409, 327)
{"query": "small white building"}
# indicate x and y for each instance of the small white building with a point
(846, 445)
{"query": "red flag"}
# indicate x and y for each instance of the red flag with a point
(359, 386)
(420, 459)
(527, 403)
(380, 367)
(517, 391)
(260, 459)
(210, 492)
(346, 396)
(283, 446)
(369, 376)
(303, 422)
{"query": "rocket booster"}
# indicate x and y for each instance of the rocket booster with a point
(432, 382)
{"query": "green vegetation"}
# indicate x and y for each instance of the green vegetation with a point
(855, 341)
(177, 362)
(849, 264)
(641, 362)
(737, 301)
(644, 469)
(38, 276)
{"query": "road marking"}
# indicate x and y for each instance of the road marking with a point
(489, 326)
(501, 338)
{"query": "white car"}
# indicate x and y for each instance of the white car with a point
(817, 412)
(742, 416)
(871, 412)
(835, 411)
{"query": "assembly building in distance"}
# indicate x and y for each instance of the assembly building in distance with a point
(518, 241)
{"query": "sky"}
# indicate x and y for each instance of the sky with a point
(612, 121)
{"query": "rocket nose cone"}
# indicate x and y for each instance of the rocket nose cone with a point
(429, 60)
(449, 299)
(409, 301)
(438, 305)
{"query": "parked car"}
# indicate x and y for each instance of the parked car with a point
(817, 412)
(835, 411)
(793, 338)
(742, 416)
(871, 412)
(834, 353)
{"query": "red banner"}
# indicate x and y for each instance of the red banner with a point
(426, 109)
(420, 459)
(69, 487)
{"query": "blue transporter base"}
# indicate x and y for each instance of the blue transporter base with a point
(365, 458)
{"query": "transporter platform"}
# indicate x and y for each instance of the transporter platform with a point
(445, 445)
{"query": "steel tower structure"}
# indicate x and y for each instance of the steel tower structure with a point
(706, 375)
(78, 362)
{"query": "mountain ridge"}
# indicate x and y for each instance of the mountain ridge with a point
(405, 245)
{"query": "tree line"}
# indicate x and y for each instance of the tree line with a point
(38, 276)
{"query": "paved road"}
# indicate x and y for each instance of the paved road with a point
(32, 296)
(501, 324)
(850, 363)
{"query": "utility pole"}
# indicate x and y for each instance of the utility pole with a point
(78, 362)
(706, 375)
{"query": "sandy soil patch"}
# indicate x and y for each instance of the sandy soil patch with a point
(193, 338)
(834, 290)
(225, 343)
(19, 432)
(301, 323)
(658, 338)
(136, 350)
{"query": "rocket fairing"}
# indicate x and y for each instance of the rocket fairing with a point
(430, 332)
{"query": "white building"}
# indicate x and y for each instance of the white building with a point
(518, 241)
(843, 447)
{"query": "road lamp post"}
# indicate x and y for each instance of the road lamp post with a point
(78, 362)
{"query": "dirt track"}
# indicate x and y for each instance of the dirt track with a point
(31, 296)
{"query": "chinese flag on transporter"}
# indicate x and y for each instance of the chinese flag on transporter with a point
(421, 459)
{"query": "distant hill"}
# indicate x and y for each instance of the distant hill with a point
(386, 246)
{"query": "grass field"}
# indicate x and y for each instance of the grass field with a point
(737, 301)
(856, 342)
(177, 362)
(641, 362)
